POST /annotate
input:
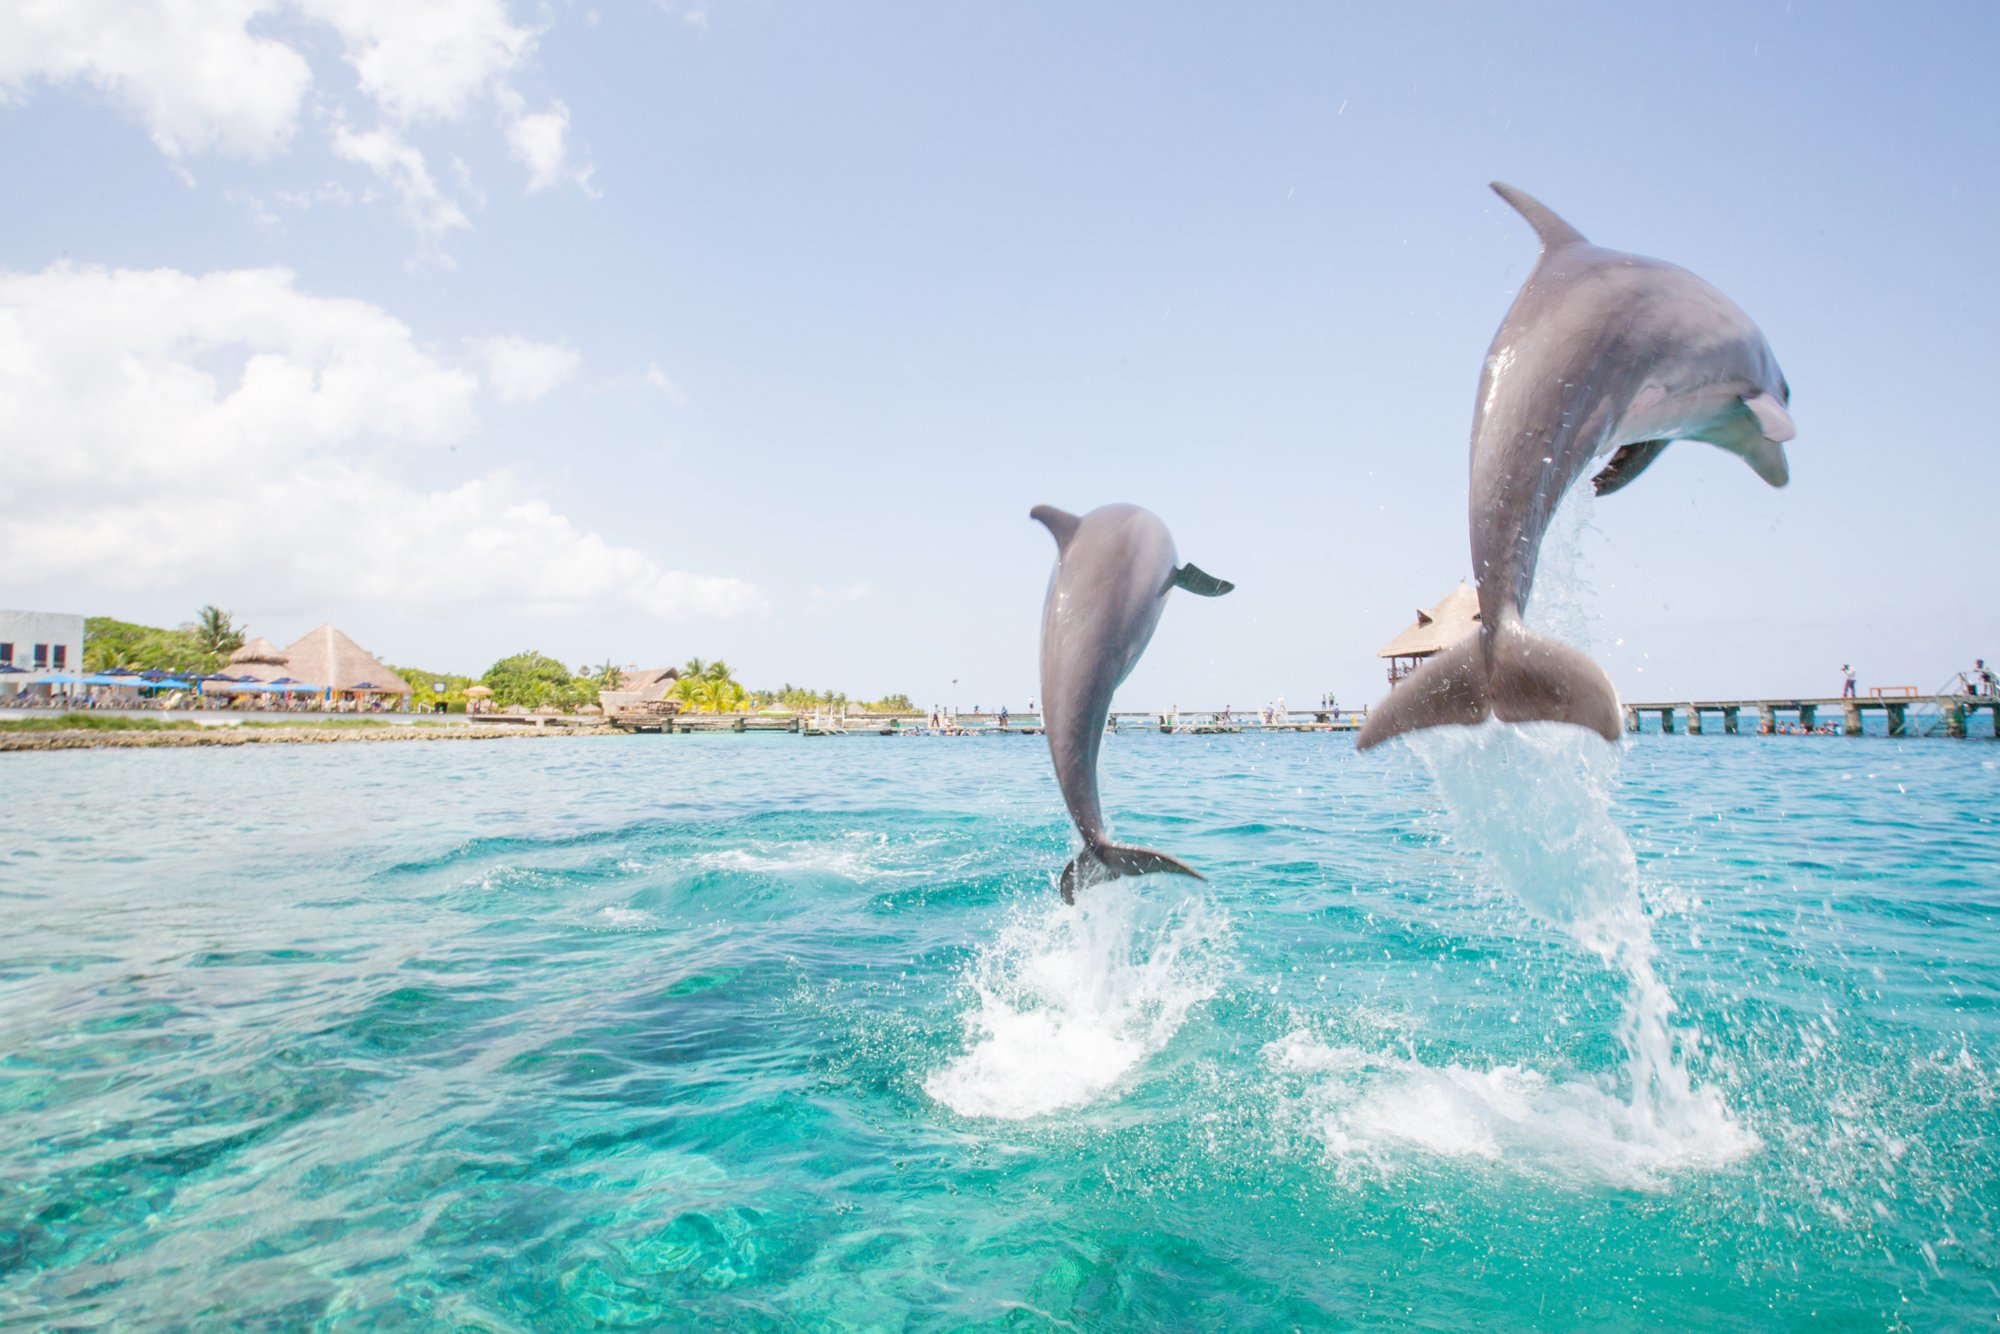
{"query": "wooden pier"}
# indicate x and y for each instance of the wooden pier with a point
(1906, 714)
(1196, 722)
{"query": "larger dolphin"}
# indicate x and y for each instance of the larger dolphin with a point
(1601, 352)
(1114, 569)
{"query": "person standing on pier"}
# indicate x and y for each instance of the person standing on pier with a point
(1847, 690)
(1982, 677)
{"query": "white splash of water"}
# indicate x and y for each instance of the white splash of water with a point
(1534, 802)
(1067, 1001)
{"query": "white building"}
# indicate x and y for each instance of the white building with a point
(39, 643)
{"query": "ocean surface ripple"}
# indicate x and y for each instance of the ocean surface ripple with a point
(1500, 1029)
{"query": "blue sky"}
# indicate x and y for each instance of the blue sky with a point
(755, 330)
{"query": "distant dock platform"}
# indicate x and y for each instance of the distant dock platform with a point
(1906, 714)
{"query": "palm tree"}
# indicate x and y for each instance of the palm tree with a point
(215, 633)
(693, 667)
(609, 677)
(720, 671)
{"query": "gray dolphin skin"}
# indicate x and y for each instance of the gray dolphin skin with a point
(1114, 569)
(1602, 352)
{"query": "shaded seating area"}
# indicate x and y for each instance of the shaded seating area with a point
(323, 671)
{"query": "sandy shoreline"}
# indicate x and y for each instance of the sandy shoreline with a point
(243, 736)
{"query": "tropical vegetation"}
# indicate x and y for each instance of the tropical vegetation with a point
(711, 687)
(199, 647)
(424, 695)
(535, 680)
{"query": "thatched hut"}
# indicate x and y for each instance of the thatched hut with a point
(639, 685)
(326, 657)
(1436, 630)
(260, 660)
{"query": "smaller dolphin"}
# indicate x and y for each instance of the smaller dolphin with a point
(1114, 568)
(1601, 353)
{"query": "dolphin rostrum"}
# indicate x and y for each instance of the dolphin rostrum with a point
(1114, 568)
(1602, 352)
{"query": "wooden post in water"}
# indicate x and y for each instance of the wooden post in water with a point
(1631, 720)
(1729, 712)
(1808, 716)
(1954, 718)
(1767, 719)
(1667, 721)
(1694, 721)
(1851, 717)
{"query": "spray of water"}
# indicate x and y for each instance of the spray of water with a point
(1066, 1001)
(1533, 803)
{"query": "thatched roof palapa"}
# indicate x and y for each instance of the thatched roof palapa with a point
(326, 657)
(639, 685)
(260, 660)
(1436, 630)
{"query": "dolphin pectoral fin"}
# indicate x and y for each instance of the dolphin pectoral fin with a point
(1536, 679)
(1625, 465)
(1757, 435)
(1060, 523)
(1773, 422)
(1551, 229)
(1200, 582)
(1450, 688)
(1109, 861)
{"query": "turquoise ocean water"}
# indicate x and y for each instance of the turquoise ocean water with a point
(1506, 1029)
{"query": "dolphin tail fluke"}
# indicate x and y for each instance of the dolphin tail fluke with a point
(1529, 678)
(1109, 861)
(1450, 688)
(1536, 679)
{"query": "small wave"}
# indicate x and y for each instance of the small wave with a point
(1069, 1000)
(627, 919)
(1381, 1112)
(856, 856)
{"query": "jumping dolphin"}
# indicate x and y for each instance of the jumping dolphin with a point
(1601, 352)
(1114, 568)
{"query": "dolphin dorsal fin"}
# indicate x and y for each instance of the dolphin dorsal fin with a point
(1061, 523)
(1552, 229)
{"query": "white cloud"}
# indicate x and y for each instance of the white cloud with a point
(193, 73)
(655, 378)
(538, 140)
(425, 60)
(521, 370)
(431, 213)
(229, 431)
(200, 80)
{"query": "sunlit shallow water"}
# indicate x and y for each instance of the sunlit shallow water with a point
(1499, 1030)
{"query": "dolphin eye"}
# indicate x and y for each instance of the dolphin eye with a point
(1785, 389)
